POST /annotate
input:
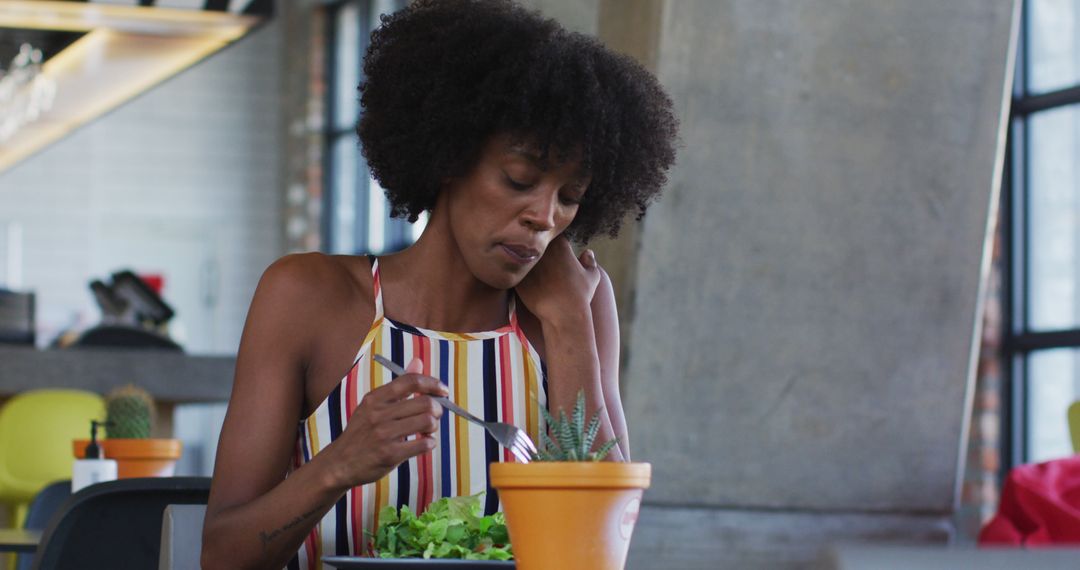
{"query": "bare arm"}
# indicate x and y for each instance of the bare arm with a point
(575, 304)
(256, 517)
(606, 322)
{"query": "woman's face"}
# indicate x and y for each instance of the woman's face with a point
(505, 212)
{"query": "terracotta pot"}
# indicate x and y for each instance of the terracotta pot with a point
(571, 516)
(137, 457)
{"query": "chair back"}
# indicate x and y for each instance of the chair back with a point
(46, 503)
(36, 431)
(181, 537)
(116, 524)
(42, 508)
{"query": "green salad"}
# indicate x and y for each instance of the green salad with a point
(450, 528)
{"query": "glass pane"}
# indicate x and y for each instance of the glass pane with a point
(346, 66)
(1053, 44)
(385, 234)
(419, 225)
(343, 216)
(377, 217)
(380, 7)
(1054, 384)
(1054, 219)
(359, 219)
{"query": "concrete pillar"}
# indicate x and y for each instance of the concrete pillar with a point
(807, 291)
(577, 15)
(631, 27)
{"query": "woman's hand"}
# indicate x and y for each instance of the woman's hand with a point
(560, 284)
(376, 439)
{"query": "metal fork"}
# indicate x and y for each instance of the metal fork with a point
(509, 436)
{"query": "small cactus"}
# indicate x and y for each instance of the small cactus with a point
(571, 439)
(129, 411)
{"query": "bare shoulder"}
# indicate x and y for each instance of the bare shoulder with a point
(301, 272)
(313, 279)
(306, 289)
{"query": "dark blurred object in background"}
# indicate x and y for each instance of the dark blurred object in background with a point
(133, 314)
(130, 300)
(16, 317)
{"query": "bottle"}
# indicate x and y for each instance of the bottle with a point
(94, 468)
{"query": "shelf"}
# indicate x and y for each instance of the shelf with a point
(170, 377)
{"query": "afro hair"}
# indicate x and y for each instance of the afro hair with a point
(443, 76)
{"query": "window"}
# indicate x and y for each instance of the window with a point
(1042, 225)
(356, 216)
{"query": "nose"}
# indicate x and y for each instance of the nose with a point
(540, 213)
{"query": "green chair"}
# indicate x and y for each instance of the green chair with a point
(1074, 425)
(36, 430)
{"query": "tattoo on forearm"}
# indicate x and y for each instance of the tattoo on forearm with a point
(268, 537)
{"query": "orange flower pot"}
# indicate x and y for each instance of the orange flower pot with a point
(571, 516)
(137, 457)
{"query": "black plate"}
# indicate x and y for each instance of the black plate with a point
(357, 563)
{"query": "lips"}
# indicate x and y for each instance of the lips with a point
(520, 253)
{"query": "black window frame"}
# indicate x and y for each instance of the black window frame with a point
(397, 233)
(1020, 342)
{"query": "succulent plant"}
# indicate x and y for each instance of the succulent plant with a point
(570, 438)
(129, 412)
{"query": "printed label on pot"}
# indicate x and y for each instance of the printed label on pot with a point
(629, 517)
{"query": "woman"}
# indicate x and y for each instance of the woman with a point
(516, 136)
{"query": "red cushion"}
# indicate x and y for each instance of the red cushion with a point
(1040, 505)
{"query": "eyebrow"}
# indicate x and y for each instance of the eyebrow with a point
(544, 165)
(532, 155)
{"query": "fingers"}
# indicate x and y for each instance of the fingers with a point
(414, 447)
(404, 386)
(395, 430)
(559, 247)
(587, 259)
(415, 366)
(420, 405)
(394, 453)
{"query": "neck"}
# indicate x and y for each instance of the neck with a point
(428, 285)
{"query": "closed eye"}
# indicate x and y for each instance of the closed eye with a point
(572, 194)
(515, 184)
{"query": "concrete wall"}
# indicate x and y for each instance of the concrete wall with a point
(820, 248)
(799, 349)
(577, 15)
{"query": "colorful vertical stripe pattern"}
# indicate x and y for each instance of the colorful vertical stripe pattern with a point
(495, 374)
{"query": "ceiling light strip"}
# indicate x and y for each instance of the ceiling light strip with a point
(253, 7)
(86, 16)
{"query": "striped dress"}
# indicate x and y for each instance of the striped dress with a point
(496, 375)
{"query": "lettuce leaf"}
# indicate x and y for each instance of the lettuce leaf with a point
(452, 527)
